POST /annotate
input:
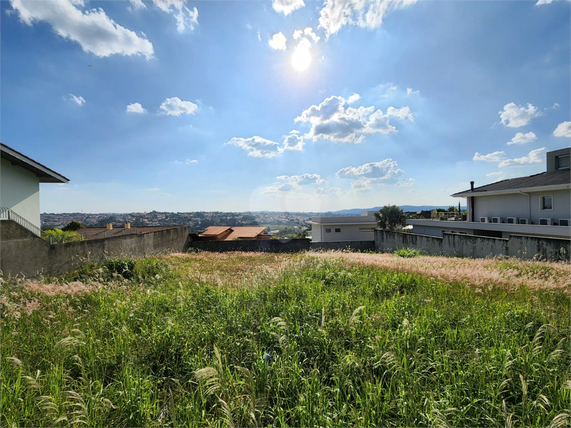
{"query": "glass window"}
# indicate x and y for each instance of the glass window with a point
(327, 230)
(337, 230)
(562, 162)
(547, 202)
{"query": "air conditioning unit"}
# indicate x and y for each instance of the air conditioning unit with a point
(546, 221)
(511, 220)
(564, 222)
(523, 221)
(484, 219)
(496, 219)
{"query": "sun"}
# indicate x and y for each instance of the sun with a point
(301, 58)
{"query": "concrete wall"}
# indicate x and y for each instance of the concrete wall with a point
(32, 256)
(262, 245)
(20, 191)
(451, 244)
(12, 230)
(344, 245)
(520, 205)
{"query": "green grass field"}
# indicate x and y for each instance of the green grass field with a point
(315, 339)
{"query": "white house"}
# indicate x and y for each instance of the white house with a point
(344, 228)
(538, 205)
(20, 179)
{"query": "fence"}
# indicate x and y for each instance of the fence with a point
(453, 244)
(32, 256)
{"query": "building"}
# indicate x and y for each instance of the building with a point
(20, 178)
(227, 233)
(344, 228)
(537, 205)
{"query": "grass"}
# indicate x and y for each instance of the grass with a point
(245, 339)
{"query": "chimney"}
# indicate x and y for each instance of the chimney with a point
(127, 225)
(471, 186)
(109, 226)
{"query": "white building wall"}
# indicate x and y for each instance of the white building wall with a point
(347, 232)
(20, 191)
(523, 206)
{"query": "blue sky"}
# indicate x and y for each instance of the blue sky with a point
(174, 105)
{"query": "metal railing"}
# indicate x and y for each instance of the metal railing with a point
(8, 214)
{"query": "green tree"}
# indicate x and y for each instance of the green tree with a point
(391, 217)
(72, 226)
(58, 236)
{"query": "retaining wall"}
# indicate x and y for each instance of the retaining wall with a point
(453, 244)
(33, 256)
(261, 245)
(344, 245)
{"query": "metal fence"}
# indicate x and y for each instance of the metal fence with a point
(8, 214)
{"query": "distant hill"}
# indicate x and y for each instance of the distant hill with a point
(406, 208)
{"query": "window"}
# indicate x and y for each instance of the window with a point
(337, 230)
(562, 162)
(546, 203)
(327, 230)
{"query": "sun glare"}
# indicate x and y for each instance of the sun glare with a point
(301, 58)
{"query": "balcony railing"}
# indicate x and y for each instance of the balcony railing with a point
(8, 214)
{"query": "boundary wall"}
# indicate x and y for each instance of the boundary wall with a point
(32, 256)
(258, 245)
(458, 245)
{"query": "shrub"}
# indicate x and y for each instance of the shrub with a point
(407, 252)
(121, 267)
(58, 236)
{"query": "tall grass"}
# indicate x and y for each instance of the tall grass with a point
(302, 341)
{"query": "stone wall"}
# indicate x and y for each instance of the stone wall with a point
(32, 256)
(344, 245)
(454, 244)
(261, 245)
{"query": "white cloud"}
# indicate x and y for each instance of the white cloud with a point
(542, 2)
(298, 34)
(190, 161)
(278, 41)
(329, 191)
(366, 14)
(521, 138)
(563, 130)
(515, 116)
(259, 36)
(175, 107)
(93, 30)
(495, 174)
(185, 17)
(409, 91)
(259, 147)
(293, 183)
(79, 100)
(382, 170)
(555, 106)
(287, 6)
(532, 157)
(490, 157)
(334, 121)
(353, 98)
(135, 108)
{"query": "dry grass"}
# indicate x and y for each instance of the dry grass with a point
(509, 273)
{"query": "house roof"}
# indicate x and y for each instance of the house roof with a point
(344, 220)
(245, 232)
(45, 174)
(213, 231)
(545, 179)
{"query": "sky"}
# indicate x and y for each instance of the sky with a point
(282, 105)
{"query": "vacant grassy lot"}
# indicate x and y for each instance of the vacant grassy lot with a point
(316, 339)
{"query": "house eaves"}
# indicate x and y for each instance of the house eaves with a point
(44, 174)
(475, 193)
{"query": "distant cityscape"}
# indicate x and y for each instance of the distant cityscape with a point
(197, 221)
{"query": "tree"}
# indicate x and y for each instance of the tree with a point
(72, 226)
(391, 217)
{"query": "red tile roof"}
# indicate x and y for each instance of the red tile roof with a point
(245, 233)
(213, 231)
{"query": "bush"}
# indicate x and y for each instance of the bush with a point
(58, 236)
(72, 226)
(407, 252)
(121, 267)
